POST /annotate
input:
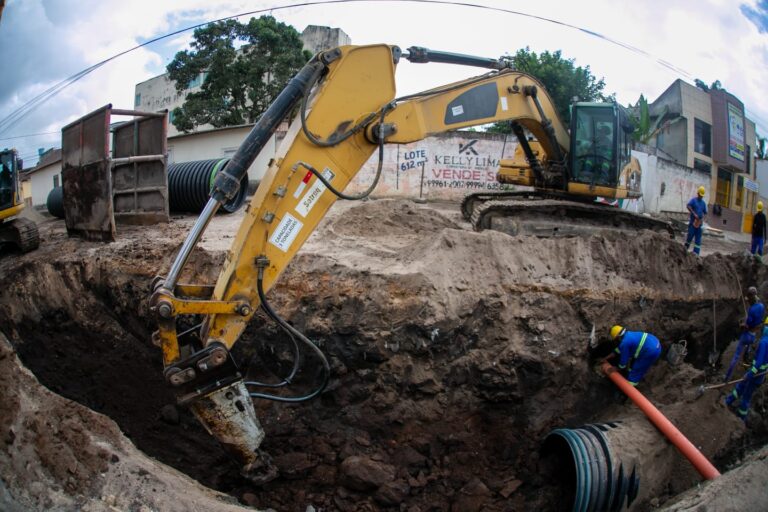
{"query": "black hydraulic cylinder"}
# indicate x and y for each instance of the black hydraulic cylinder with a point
(535, 163)
(228, 181)
(420, 55)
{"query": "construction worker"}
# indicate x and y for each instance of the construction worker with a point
(751, 380)
(749, 328)
(758, 232)
(641, 349)
(698, 209)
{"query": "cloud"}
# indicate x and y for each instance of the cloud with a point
(757, 15)
(44, 41)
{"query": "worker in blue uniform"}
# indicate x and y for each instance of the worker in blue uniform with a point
(751, 380)
(698, 210)
(750, 327)
(637, 351)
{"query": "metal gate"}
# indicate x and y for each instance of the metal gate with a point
(128, 184)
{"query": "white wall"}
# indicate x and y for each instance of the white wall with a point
(666, 186)
(448, 166)
(761, 171)
(41, 182)
(218, 144)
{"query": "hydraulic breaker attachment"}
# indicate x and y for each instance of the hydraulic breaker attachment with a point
(210, 384)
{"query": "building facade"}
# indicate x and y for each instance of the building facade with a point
(709, 132)
(42, 178)
(317, 39)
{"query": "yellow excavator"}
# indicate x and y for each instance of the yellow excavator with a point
(14, 230)
(561, 184)
(347, 110)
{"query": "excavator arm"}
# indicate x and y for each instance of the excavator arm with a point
(348, 110)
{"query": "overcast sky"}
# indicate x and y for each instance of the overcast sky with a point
(45, 41)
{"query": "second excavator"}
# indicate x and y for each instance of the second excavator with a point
(14, 230)
(564, 174)
(347, 110)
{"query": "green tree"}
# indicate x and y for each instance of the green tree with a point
(562, 79)
(645, 127)
(245, 66)
(701, 84)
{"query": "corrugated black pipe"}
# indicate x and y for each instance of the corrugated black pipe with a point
(592, 473)
(55, 202)
(189, 186)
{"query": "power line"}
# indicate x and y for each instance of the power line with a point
(29, 135)
(27, 108)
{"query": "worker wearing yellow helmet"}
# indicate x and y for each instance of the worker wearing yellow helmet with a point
(758, 232)
(698, 209)
(637, 352)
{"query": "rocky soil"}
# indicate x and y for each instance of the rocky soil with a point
(453, 354)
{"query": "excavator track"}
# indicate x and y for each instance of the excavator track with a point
(21, 232)
(560, 218)
(472, 201)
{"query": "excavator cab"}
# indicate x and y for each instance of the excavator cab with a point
(600, 144)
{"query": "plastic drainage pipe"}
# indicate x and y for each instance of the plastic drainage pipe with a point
(684, 446)
(55, 202)
(190, 184)
(588, 463)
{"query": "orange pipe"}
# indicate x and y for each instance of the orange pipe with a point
(684, 446)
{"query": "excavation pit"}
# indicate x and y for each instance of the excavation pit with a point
(454, 355)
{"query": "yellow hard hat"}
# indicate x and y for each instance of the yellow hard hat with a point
(617, 331)
(759, 206)
(702, 191)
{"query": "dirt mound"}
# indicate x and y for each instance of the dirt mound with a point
(453, 354)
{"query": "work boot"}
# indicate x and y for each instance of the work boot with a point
(729, 400)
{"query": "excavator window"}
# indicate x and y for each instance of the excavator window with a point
(595, 150)
(6, 180)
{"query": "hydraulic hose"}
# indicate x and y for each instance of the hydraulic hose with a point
(684, 446)
(292, 330)
(325, 182)
(285, 380)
